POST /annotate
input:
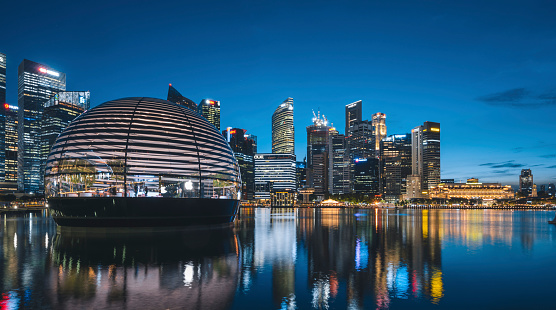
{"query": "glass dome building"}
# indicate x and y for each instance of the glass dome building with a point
(141, 162)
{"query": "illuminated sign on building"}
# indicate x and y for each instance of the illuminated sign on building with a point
(435, 129)
(54, 73)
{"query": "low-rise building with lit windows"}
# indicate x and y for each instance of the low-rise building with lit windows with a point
(472, 189)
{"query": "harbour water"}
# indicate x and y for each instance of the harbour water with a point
(288, 259)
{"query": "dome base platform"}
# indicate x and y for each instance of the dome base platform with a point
(141, 211)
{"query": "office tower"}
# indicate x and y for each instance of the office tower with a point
(2, 115)
(395, 166)
(339, 165)
(301, 173)
(379, 131)
(273, 172)
(359, 144)
(244, 148)
(526, 182)
(318, 144)
(425, 159)
(366, 176)
(36, 84)
(283, 139)
(58, 112)
(354, 114)
(551, 190)
(175, 97)
(11, 143)
(210, 109)
(542, 188)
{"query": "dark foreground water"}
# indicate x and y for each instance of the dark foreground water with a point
(289, 258)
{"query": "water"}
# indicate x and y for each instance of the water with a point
(288, 258)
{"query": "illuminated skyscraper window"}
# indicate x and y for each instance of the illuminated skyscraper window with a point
(210, 109)
(283, 129)
(36, 84)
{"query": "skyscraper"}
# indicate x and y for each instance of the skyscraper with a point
(36, 84)
(274, 172)
(11, 143)
(425, 159)
(354, 114)
(283, 139)
(175, 97)
(526, 182)
(244, 147)
(366, 176)
(58, 112)
(318, 152)
(210, 109)
(359, 144)
(379, 131)
(2, 115)
(395, 166)
(339, 165)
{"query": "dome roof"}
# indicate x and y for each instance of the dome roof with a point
(151, 145)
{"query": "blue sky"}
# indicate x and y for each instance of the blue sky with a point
(486, 70)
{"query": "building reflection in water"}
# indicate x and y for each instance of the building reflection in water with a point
(194, 269)
(272, 258)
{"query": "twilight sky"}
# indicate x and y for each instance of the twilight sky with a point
(486, 70)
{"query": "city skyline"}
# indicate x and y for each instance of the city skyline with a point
(473, 71)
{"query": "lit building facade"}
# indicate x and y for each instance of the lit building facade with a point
(318, 152)
(175, 97)
(283, 138)
(58, 113)
(274, 172)
(379, 131)
(354, 114)
(244, 147)
(526, 182)
(472, 189)
(2, 115)
(283, 198)
(551, 190)
(11, 143)
(425, 156)
(359, 144)
(301, 174)
(395, 166)
(339, 165)
(36, 84)
(210, 109)
(366, 176)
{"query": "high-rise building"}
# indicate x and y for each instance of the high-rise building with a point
(366, 176)
(2, 115)
(551, 190)
(379, 131)
(395, 166)
(339, 165)
(283, 138)
(526, 182)
(273, 172)
(301, 173)
(58, 112)
(318, 152)
(175, 97)
(425, 159)
(11, 143)
(210, 109)
(244, 147)
(359, 144)
(354, 114)
(36, 84)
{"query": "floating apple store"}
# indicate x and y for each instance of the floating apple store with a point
(141, 162)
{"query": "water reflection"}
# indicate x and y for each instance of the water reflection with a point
(196, 269)
(287, 259)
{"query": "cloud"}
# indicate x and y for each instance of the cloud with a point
(507, 164)
(548, 156)
(504, 172)
(551, 167)
(519, 98)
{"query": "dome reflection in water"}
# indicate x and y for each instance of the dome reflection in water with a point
(147, 270)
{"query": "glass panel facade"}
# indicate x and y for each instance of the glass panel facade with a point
(142, 147)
